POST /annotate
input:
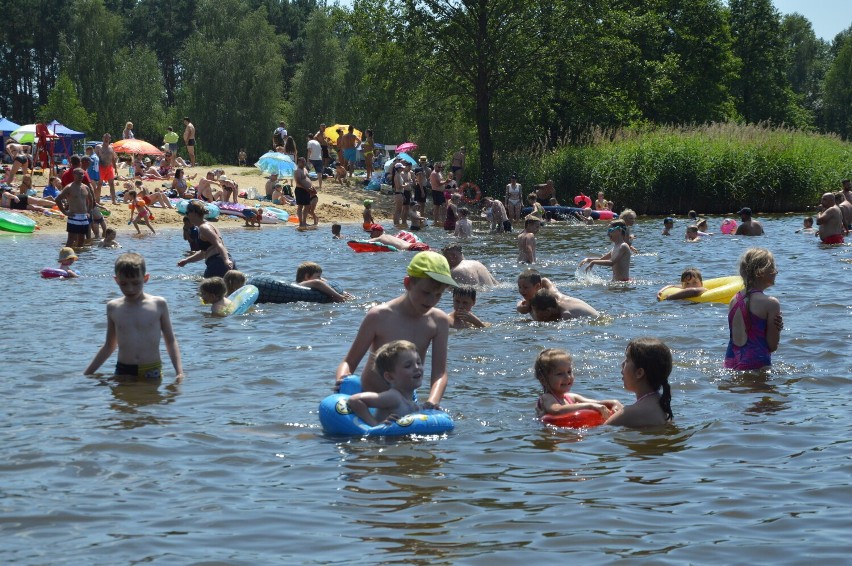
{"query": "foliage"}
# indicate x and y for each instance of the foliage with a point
(715, 169)
(838, 96)
(64, 105)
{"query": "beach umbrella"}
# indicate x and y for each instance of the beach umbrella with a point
(405, 147)
(331, 132)
(136, 146)
(26, 134)
(274, 162)
(402, 156)
(7, 126)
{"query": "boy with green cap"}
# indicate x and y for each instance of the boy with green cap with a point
(412, 316)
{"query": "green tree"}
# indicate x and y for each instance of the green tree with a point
(762, 90)
(232, 70)
(838, 95)
(807, 57)
(64, 105)
(137, 93)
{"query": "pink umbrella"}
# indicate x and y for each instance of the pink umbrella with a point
(405, 147)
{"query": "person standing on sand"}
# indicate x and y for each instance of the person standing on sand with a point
(315, 157)
(748, 227)
(323, 141)
(369, 149)
(457, 164)
(279, 136)
(107, 166)
(348, 144)
(830, 221)
(304, 191)
(189, 139)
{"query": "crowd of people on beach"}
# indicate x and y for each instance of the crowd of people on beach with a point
(398, 334)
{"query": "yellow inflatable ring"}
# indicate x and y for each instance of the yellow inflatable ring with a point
(719, 290)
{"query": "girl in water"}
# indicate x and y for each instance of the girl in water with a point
(754, 319)
(554, 370)
(645, 372)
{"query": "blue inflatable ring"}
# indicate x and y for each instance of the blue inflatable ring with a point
(336, 418)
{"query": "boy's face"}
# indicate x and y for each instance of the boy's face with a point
(407, 371)
(463, 303)
(616, 235)
(691, 282)
(423, 293)
(527, 288)
(132, 286)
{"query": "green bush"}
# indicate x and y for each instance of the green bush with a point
(716, 168)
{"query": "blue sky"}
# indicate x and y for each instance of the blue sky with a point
(828, 17)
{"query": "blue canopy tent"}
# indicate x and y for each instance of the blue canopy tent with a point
(6, 128)
(64, 144)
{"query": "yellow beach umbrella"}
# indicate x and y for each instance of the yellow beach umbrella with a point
(331, 132)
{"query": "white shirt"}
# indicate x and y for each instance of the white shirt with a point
(314, 150)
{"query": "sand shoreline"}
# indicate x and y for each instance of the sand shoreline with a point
(338, 202)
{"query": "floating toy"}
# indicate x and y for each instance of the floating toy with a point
(719, 290)
(53, 273)
(242, 300)
(585, 200)
(272, 290)
(336, 417)
(584, 418)
(15, 222)
(729, 226)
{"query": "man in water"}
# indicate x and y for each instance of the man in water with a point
(748, 227)
(466, 271)
(830, 221)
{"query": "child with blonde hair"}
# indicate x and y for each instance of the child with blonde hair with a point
(213, 292)
(234, 280)
(554, 369)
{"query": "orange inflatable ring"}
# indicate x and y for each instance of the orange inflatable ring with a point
(466, 189)
(578, 419)
(587, 201)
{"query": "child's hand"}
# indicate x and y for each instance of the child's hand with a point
(602, 409)
(391, 419)
(430, 405)
(779, 322)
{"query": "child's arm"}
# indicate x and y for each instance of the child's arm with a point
(360, 346)
(605, 260)
(170, 340)
(469, 318)
(523, 306)
(439, 364)
(327, 289)
(360, 404)
(681, 294)
(581, 403)
(107, 349)
(774, 323)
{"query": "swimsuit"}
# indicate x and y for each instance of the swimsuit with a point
(107, 172)
(190, 142)
(143, 372)
(22, 159)
(349, 154)
(513, 195)
(21, 204)
(754, 354)
(539, 409)
(303, 196)
(77, 224)
(831, 240)
(216, 265)
(450, 222)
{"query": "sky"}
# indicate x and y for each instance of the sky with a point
(828, 17)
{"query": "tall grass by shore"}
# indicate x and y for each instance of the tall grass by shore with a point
(716, 168)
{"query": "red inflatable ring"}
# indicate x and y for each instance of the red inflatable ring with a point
(587, 201)
(467, 188)
(578, 419)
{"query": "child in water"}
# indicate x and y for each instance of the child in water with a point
(234, 280)
(619, 257)
(368, 214)
(464, 299)
(691, 285)
(400, 366)
(67, 257)
(645, 371)
(309, 274)
(213, 291)
(754, 319)
(554, 369)
(668, 224)
(109, 239)
(335, 232)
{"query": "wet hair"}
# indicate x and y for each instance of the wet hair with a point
(546, 361)
(234, 280)
(387, 355)
(130, 265)
(110, 232)
(196, 207)
(452, 248)
(653, 356)
(215, 286)
(627, 213)
(530, 220)
(463, 211)
(692, 228)
(620, 224)
(307, 269)
(700, 223)
(465, 291)
(335, 228)
(754, 264)
(691, 273)
(809, 220)
(531, 275)
(839, 197)
(544, 299)
(692, 214)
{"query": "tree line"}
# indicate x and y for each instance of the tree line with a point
(501, 77)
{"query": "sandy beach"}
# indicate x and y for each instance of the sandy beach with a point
(337, 203)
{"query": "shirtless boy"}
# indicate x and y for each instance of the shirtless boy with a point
(204, 189)
(76, 200)
(549, 305)
(526, 240)
(619, 257)
(499, 217)
(135, 323)
(530, 282)
(309, 274)
(412, 316)
(830, 221)
(189, 139)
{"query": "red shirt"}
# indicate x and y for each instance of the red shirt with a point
(68, 178)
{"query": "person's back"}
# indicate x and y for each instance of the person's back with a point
(412, 316)
(748, 226)
(526, 240)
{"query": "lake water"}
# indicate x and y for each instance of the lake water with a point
(231, 467)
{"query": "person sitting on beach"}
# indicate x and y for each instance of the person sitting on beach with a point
(464, 299)
(253, 216)
(335, 232)
(340, 174)
(618, 257)
(234, 280)
(309, 274)
(645, 372)
(367, 214)
(754, 319)
(179, 184)
(377, 234)
(668, 224)
(213, 291)
(51, 190)
(526, 239)
(554, 370)
(109, 239)
(135, 323)
(412, 316)
(204, 189)
(691, 285)
(277, 194)
(748, 227)
(830, 221)
(67, 257)
(269, 187)
(464, 227)
(230, 189)
(692, 234)
(400, 365)
(549, 305)
(466, 271)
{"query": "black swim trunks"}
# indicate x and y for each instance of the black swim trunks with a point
(303, 197)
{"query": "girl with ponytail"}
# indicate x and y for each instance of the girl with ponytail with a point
(645, 372)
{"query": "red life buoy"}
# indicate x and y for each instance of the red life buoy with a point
(587, 201)
(468, 187)
(577, 419)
